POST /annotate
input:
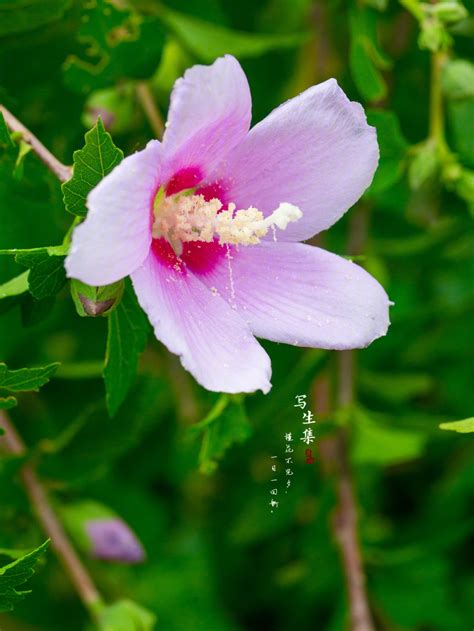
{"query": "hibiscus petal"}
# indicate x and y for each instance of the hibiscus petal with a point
(115, 237)
(315, 151)
(302, 295)
(209, 114)
(212, 340)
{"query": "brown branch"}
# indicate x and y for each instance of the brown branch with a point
(335, 462)
(60, 170)
(148, 104)
(60, 543)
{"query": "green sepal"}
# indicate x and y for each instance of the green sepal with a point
(96, 301)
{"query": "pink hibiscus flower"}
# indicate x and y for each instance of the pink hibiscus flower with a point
(208, 222)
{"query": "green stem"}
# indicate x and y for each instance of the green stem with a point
(81, 370)
(436, 132)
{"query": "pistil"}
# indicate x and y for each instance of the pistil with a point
(185, 218)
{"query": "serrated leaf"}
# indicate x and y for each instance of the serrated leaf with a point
(97, 158)
(126, 615)
(127, 335)
(15, 574)
(119, 44)
(226, 424)
(25, 379)
(209, 41)
(465, 426)
(47, 274)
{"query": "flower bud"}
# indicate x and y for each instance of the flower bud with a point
(449, 12)
(433, 35)
(95, 301)
(113, 540)
(458, 79)
(424, 165)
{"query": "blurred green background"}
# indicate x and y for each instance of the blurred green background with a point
(217, 559)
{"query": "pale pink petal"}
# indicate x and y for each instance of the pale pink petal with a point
(115, 237)
(315, 151)
(209, 114)
(213, 342)
(302, 295)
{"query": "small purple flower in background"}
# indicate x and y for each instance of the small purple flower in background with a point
(113, 540)
(208, 224)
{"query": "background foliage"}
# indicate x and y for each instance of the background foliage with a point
(197, 495)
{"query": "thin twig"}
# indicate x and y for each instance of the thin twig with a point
(345, 518)
(67, 555)
(335, 463)
(334, 452)
(152, 113)
(60, 170)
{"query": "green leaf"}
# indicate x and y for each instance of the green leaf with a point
(98, 157)
(424, 164)
(463, 427)
(366, 59)
(458, 79)
(208, 41)
(26, 15)
(126, 615)
(367, 77)
(461, 119)
(6, 141)
(127, 335)
(393, 147)
(23, 151)
(226, 424)
(119, 43)
(25, 379)
(47, 274)
(15, 286)
(380, 5)
(15, 574)
(379, 444)
(7, 402)
(395, 388)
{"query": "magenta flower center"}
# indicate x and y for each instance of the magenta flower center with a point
(189, 216)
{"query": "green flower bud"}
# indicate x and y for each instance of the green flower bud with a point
(424, 165)
(458, 79)
(95, 301)
(433, 35)
(449, 12)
